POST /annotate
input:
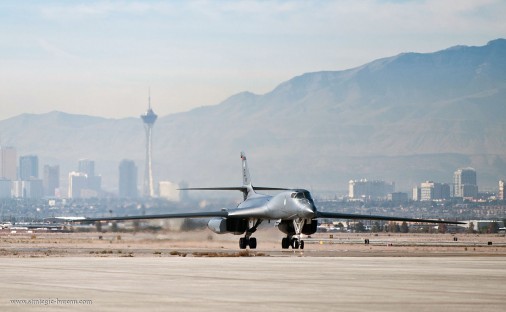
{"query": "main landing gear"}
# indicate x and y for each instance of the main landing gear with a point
(294, 241)
(247, 240)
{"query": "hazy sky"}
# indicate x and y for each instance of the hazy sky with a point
(100, 57)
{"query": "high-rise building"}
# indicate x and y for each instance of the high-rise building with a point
(84, 183)
(28, 167)
(149, 119)
(366, 189)
(501, 190)
(86, 166)
(427, 191)
(430, 190)
(8, 160)
(5, 188)
(77, 184)
(51, 180)
(398, 197)
(127, 179)
(93, 182)
(417, 193)
(464, 183)
(31, 188)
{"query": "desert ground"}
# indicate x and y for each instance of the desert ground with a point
(202, 271)
(24, 244)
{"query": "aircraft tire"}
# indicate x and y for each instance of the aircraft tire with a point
(295, 243)
(242, 243)
(252, 243)
(301, 244)
(285, 243)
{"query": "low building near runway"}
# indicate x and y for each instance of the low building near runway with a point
(483, 225)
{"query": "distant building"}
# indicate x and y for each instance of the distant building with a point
(27, 189)
(95, 184)
(443, 191)
(427, 191)
(169, 190)
(430, 190)
(8, 160)
(36, 189)
(149, 119)
(28, 167)
(5, 188)
(464, 183)
(417, 193)
(84, 183)
(87, 167)
(501, 194)
(51, 180)
(366, 189)
(127, 179)
(482, 225)
(78, 183)
(398, 197)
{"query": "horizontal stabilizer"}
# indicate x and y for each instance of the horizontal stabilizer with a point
(337, 215)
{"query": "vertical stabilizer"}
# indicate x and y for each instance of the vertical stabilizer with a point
(246, 179)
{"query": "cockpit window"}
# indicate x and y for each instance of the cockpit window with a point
(308, 196)
(298, 195)
(302, 195)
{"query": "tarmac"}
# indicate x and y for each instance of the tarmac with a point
(282, 283)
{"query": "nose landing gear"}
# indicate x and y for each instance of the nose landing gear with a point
(294, 241)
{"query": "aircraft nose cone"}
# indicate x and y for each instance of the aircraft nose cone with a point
(309, 211)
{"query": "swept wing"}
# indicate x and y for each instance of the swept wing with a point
(207, 214)
(337, 215)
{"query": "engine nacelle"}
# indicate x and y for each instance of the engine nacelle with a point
(226, 225)
(286, 226)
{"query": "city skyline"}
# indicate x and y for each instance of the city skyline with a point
(464, 184)
(98, 58)
(378, 124)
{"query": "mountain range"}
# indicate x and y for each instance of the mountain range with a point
(407, 118)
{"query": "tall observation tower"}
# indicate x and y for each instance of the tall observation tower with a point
(148, 118)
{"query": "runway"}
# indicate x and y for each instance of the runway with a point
(253, 283)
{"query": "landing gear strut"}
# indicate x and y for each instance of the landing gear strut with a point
(294, 241)
(247, 240)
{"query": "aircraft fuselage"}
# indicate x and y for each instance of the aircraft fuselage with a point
(288, 205)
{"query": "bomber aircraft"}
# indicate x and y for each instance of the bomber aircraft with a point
(293, 209)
